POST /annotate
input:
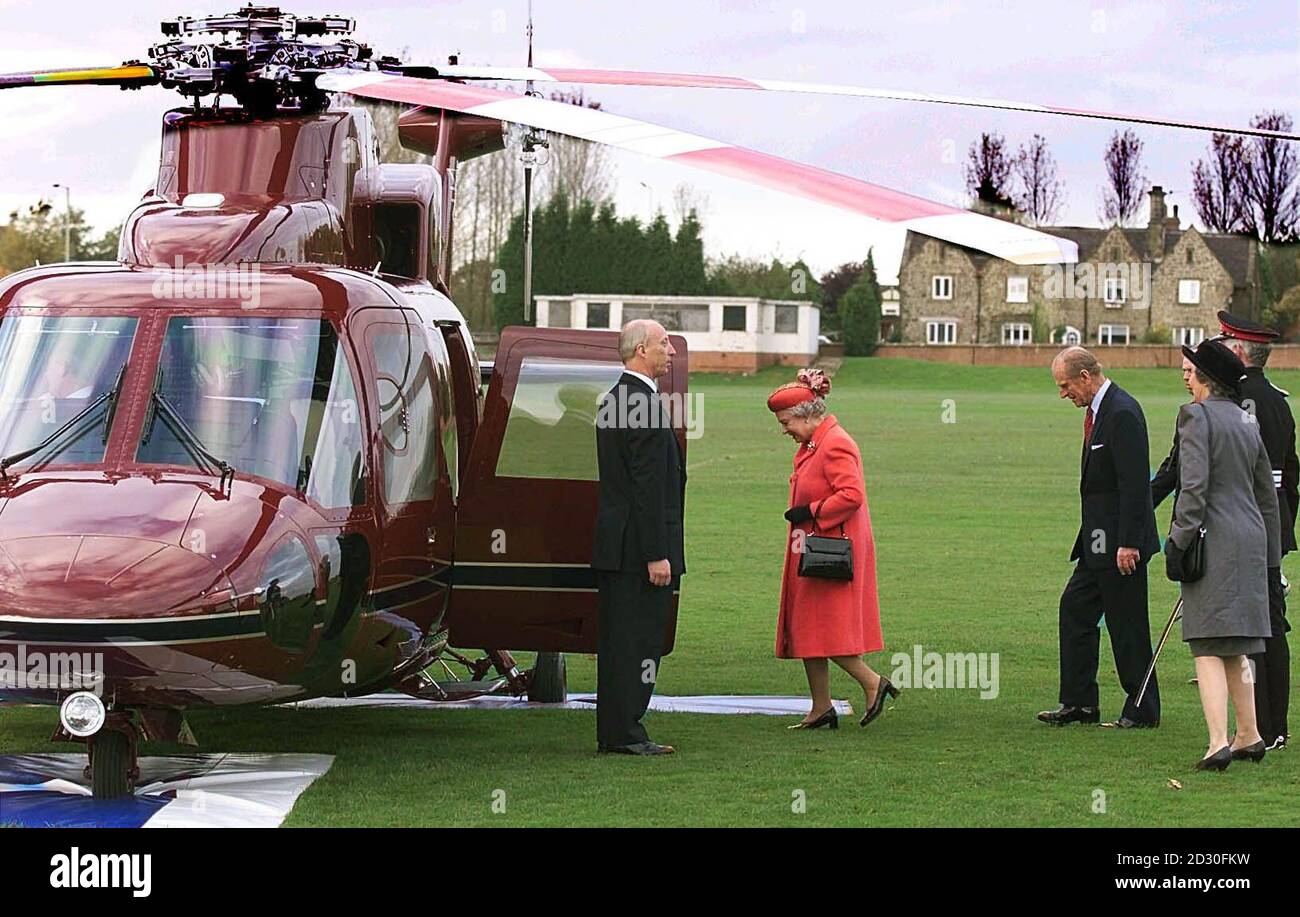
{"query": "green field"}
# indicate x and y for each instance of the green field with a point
(973, 523)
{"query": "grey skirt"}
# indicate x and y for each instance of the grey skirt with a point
(1226, 646)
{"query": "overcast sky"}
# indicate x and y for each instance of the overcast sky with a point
(1214, 62)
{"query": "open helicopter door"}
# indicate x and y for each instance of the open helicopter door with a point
(522, 577)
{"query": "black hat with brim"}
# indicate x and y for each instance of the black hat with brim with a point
(1218, 362)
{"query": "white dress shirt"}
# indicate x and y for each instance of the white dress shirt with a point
(650, 382)
(1096, 400)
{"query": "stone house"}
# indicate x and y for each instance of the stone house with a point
(1159, 283)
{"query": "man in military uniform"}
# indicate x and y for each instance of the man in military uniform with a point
(1252, 342)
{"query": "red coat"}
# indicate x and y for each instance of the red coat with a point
(821, 617)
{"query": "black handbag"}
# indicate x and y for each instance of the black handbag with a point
(827, 557)
(1194, 559)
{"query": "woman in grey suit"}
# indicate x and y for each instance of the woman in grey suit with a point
(1226, 490)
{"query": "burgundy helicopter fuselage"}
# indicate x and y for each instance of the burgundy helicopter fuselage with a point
(280, 306)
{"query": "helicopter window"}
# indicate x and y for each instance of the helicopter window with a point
(551, 431)
(51, 370)
(254, 390)
(407, 414)
(397, 237)
(337, 462)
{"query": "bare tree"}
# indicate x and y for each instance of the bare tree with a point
(1041, 195)
(688, 199)
(1122, 196)
(988, 171)
(1219, 187)
(578, 169)
(1274, 211)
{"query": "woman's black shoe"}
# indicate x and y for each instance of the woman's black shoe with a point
(829, 718)
(1218, 761)
(883, 690)
(1250, 752)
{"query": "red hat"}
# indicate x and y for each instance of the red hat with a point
(809, 384)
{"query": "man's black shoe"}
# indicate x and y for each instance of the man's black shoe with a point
(1064, 714)
(1125, 723)
(641, 748)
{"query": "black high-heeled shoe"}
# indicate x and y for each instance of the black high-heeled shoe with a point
(1218, 761)
(829, 718)
(1250, 752)
(883, 690)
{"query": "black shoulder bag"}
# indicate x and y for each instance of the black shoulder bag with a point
(827, 557)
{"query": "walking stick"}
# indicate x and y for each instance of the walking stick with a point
(1178, 608)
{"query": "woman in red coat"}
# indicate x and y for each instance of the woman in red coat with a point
(825, 619)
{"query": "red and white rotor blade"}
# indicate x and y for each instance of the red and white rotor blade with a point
(705, 81)
(1006, 240)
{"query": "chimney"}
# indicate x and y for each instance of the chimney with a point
(1156, 225)
(1172, 222)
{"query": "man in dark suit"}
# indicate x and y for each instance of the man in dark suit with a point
(639, 555)
(1116, 539)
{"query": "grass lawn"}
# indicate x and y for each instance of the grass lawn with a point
(973, 520)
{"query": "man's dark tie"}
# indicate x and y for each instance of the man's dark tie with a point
(1087, 426)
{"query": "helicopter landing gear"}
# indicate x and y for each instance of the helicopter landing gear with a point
(113, 769)
(547, 683)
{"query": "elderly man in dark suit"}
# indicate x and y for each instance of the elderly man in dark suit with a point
(638, 555)
(1116, 539)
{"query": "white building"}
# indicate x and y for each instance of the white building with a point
(723, 333)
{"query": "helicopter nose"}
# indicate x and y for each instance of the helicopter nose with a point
(103, 577)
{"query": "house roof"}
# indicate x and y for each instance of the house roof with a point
(1232, 250)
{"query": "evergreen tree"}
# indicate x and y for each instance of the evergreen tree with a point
(688, 256)
(860, 312)
(658, 257)
(508, 286)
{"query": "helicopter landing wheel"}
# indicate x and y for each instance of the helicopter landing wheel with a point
(111, 764)
(548, 684)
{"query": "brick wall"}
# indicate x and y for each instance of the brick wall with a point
(1285, 356)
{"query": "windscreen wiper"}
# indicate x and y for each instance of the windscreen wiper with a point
(111, 397)
(189, 439)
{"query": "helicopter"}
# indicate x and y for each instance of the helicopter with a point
(257, 459)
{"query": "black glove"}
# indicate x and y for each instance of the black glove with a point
(1276, 592)
(1173, 561)
(798, 514)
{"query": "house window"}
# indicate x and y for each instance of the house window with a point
(597, 315)
(1017, 289)
(1190, 258)
(1189, 337)
(787, 319)
(1017, 333)
(890, 305)
(735, 318)
(1114, 292)
(941, 287)
(1189, 292)
(560, 315)
(941, 332)
(1069, 335)
(1112, 334)
(685, 318)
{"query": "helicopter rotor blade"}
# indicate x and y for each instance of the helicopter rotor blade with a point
(705, 81)
(127, 75)
(1007, 240)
